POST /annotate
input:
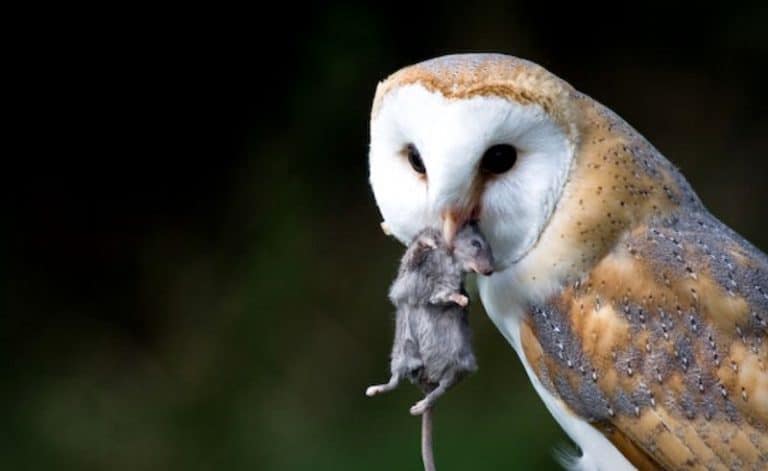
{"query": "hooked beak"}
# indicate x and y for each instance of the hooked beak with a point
(453, 220)
(458, 212)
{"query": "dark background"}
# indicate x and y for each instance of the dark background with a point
(195, 275)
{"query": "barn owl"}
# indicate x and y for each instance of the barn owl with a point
(640, 318)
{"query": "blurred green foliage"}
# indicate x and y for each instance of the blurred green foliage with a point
(215, 297)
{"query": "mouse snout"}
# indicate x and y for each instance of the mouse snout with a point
(486, 270)
(481, 267)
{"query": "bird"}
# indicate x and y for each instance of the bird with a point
(639, 317)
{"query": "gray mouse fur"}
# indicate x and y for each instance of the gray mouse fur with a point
(433, 341)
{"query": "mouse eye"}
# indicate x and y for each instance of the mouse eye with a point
(477, 244)
(498, 159)
(414, 158)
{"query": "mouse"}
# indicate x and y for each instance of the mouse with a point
(433, 341)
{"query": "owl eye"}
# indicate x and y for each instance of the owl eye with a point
(415, 159)
(498, 159)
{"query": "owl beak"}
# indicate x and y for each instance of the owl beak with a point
(449, 227)
(453, 220)
(457, 212)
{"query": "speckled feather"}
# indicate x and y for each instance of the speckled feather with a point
(656, 330)
(659, 336)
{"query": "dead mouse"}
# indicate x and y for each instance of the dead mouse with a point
(433, 341)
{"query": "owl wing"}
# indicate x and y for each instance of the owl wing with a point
(663, 346)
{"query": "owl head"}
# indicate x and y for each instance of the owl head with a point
(477, 137)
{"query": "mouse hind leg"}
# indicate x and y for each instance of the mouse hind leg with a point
(430, 399)
(382, 388)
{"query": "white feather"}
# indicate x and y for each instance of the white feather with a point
(451, 136)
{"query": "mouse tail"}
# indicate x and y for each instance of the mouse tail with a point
(427, 455)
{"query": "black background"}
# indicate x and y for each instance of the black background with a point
(195, 275)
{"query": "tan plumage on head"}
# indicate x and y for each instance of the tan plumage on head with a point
(640, 318)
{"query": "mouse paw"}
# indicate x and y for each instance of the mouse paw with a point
(420, 407)
(459, 299)
(374, 390)
(426, 241)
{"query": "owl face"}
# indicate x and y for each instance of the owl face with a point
(439, 162)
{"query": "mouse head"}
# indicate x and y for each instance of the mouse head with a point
(423, 244)
(472, 250)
